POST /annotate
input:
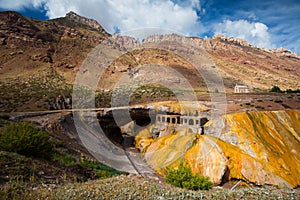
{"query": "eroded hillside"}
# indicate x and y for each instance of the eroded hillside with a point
(256, 67)
(40, 59)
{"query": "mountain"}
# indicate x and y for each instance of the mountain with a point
(30, 44)
(235, 59)
(40, 59)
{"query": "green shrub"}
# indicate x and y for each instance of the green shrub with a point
(198, 182)
(276, 89)
(292, 91)
(101, 170)
(26, 139)
(183, 177)
(63, 159)
(259, 107)
(278, 101)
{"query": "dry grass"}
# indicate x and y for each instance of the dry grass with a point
(137, 187)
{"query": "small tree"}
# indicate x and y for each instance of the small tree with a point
(183, 177)
(276, 89)
(26, 139)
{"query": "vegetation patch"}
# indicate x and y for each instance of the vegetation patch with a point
(260, 107)
(29, 154)
(26, 139)
(278, 90)
(278, 101)
(33, 93)
(101, 170)
(183, 178)
(63, 159)
(136, 187)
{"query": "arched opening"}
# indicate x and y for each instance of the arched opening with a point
(191, 122)
(203, 121)
(168, 119)
(173, 120)
(178, 120)
(158, 118)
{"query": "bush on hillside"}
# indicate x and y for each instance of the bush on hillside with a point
(101, 170)
(276, 89)
(26, 139)
(183, 177)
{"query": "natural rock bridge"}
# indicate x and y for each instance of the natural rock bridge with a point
(194, 123)
(100, 132)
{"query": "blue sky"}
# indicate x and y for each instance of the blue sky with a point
(267, 23)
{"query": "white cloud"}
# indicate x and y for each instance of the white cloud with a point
(137, 14)
(255, 33)
(178, 16)
(15, 4)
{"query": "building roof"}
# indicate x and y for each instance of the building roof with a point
(241, 86)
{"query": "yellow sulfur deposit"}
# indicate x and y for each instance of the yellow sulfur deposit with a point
(260, 147)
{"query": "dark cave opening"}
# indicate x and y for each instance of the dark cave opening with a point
(142, 118)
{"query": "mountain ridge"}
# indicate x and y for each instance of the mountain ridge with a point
(33, 50)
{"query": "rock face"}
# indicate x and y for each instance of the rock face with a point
(284, 52)
(83, 20)
(125, 41)
(60, 103)
(236, 41)
(260, 147)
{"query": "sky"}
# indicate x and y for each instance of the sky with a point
(263, 23)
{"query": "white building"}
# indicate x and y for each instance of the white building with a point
(241, 89)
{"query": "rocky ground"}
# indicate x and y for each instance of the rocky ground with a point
(137, 187)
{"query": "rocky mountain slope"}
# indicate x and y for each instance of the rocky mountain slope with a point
(237, 61)
(39, 60)
(29, 44)
(255, 67)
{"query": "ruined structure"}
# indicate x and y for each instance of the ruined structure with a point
(194, 123)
